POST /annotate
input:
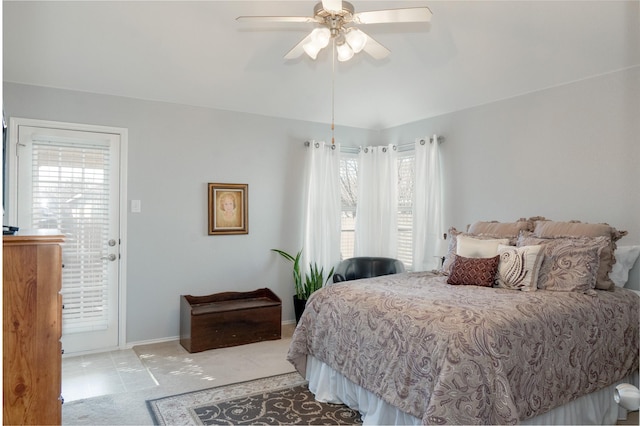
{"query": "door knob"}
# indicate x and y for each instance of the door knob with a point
(110, 257)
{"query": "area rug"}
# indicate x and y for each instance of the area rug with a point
(277, 400)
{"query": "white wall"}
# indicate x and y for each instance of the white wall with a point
(568, 153)
(174, 151)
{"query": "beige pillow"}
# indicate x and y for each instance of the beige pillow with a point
(500, 229)
(452, 249)
(552, 229)
(569, 264)
(473, 247)
(519, 267)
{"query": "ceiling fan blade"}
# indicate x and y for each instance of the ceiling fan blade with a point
(332, 5)
(375, 49)
(412, 14)
(298, 49)
(302, 19)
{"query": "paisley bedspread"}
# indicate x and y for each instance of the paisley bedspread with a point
(468, 354)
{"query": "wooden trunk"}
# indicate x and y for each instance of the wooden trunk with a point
(31, 331)
(229, 319)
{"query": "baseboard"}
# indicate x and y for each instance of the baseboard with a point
(130, 345)
(92, 352)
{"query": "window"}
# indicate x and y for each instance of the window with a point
(406, 167)
(349, 191)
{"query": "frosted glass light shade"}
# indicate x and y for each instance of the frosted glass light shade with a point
(319, 39)
(311, 49)
(628, 396)
(344, 52)
(321, 36)
(356, 39)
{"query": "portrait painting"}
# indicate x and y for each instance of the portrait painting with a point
(228, 208)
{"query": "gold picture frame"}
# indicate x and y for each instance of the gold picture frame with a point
(228, 208)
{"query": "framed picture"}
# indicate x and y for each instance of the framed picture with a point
(228, 208)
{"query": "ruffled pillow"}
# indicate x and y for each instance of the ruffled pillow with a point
(497, 229)
(569, 264)
(544, 228)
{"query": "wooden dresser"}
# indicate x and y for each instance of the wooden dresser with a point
(32, 327)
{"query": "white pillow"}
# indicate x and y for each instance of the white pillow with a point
(519, 266)
(625, 258)
(477, 248)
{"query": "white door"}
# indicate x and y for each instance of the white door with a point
(70, 180)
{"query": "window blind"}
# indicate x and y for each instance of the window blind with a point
(406, 176)
(71, 193)
(349, 199)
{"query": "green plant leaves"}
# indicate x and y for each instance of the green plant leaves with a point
(314, 280)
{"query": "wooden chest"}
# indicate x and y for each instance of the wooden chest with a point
(229, 319)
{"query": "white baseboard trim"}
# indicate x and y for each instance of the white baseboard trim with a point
(130, 345)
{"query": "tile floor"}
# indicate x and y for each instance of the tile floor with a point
(169, 365)
(86, 376)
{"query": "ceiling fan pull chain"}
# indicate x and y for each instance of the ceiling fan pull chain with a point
(333, 84)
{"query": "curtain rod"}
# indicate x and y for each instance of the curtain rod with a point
(401, 148)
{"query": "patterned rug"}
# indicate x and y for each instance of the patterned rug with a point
(277, 400)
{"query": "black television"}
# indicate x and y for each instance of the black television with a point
(4, 163)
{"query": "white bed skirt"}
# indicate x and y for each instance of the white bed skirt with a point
(330, 386)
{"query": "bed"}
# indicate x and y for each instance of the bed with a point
(413, 348)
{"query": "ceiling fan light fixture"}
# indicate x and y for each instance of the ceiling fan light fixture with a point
(334, 18)
(344, 51)
(356, 39)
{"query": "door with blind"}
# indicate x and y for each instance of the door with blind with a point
(69, 180)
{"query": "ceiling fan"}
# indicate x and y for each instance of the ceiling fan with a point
(336, 19)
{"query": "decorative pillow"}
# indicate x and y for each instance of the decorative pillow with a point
(500, 229)
(625, 259)
(453, 234)
(475, 247)
(569, 264)
(451, 250)
(473, 271)
(519, 266)
(575, 229)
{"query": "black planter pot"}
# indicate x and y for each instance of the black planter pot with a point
(298, 307)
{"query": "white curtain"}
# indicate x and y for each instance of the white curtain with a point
(377, 211)
(321, 239)
(428, 229)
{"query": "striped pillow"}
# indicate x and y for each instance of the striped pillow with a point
(519, 266)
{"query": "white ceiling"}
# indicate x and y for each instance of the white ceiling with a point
(196, 53)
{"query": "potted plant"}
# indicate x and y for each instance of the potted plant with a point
(313, 281)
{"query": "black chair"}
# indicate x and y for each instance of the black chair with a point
(366, 267)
